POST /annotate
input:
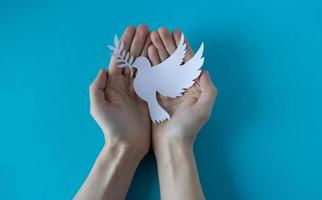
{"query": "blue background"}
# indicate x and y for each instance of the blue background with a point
(264, 138)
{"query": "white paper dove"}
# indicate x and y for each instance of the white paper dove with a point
(170, 78)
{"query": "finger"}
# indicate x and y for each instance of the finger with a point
(157, 42)
(167, 40)
(153, 55)
(177, 36)
(208, 93)
(96, 88)
(127, 38)
(146, 46)
(128, 77)
(127, 72)
(139, 40)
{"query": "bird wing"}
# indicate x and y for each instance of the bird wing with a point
(176, 58)
(172, 78)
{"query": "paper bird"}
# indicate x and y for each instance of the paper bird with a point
(170, 78)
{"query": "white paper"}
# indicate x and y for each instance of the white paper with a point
(169, 78)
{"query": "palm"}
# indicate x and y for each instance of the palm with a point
(122, 108)
(188, 112)
(182, 112)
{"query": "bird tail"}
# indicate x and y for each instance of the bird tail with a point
(157, 113)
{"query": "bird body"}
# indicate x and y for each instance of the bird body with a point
(145, 87)
(170, 78)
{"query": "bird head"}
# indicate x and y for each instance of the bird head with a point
(141, 63)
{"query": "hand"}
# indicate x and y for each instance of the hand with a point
(189, 112)
(122, 116)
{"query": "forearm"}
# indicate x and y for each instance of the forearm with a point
(178, 172)
(111, 174)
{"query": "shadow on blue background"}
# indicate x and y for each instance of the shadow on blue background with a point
(263, 140)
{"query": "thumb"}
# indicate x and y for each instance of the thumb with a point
(208, 94)
(96, 89)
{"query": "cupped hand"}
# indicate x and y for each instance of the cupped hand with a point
(122, 116)
(188, 112)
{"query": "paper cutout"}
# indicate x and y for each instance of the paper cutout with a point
(170, 78)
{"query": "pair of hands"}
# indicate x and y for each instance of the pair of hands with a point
(124, 117)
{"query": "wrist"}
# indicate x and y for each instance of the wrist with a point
(172, 140)
(123, 150)
(173, 150)
(172, 136)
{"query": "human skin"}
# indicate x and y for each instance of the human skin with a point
(173, 140)
(115, 107)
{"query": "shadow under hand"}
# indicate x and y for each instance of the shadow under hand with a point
(229, 59)
(145, 184)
